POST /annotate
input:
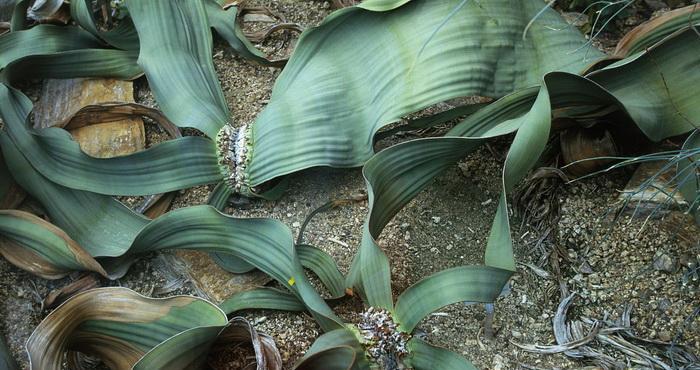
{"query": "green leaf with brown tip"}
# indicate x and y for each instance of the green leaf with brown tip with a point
(117, 325)
(41, 248)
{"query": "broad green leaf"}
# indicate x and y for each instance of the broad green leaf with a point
(45, 250)
(43, 39)
(655, 86)
(100, 224)
(653, 31)
(428, 357)
(117, 325)
(48, 51)
(264, 243)
(397, 174)
(168, 166)
(176, 55)
(112, 63)
(262, 298)
(323, 265)
(106, 228)
(326, 105)
(459, 284)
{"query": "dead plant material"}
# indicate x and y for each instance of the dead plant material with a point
(593, 340)
(241, 332)
(281, 25)
(537, 200)
(579, 147)
(333, 204)
(60, 295)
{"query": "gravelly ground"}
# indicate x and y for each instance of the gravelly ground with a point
(446, 226)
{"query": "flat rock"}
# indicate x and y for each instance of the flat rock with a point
(61, 99)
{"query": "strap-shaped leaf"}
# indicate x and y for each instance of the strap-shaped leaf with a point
(112, 63)
(428, 357)
(45, 250)
(176, 55)
(464, 283)
(326, 106)
(168, 166)
(185, 350)
(654, 86)
(117, 325)
(264, 243)
(190, 349)
(101, 225)
(262, 298)
(323, 265)
(219, 199)
(655, 30)
(11, 194)
(106, 228)
(43, 39)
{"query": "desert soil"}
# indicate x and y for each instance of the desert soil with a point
(610, 264)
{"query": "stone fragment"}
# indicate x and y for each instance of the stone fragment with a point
(664, 262)
(214, 281)
(61, 99)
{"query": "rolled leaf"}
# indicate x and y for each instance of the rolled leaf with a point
(340, 338)
(117, 325)
(338, 358)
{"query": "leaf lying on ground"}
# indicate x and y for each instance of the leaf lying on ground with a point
(596, 340)
(127, 330)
